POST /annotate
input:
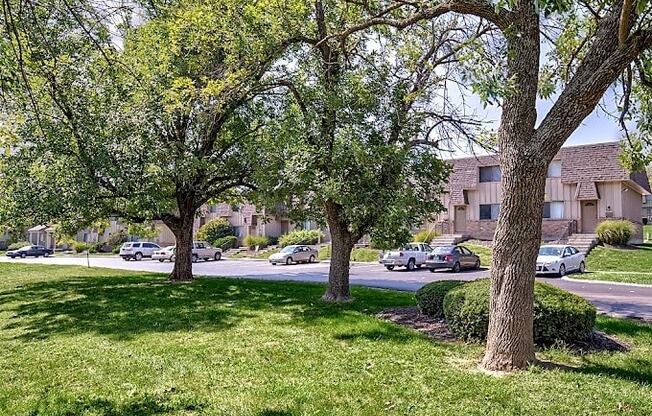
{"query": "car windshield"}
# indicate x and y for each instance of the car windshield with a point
(410, 247)
(126, 245)
(26, 248)
(288, 249)
(442, 250)
(550, 251)
(169, 248)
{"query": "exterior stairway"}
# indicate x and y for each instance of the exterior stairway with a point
(448, 239)
(583, 242)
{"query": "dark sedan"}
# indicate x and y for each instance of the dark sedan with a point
(33, 251)
(455, 258)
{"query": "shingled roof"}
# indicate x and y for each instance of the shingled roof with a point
(584, 165)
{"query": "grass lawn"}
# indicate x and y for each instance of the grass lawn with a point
(647, 232)
(483, 251)
(620, 265)
(79, 341)
(359, 254)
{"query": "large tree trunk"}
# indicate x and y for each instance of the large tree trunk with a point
(510, 340)
(341, 245)
(182, 227)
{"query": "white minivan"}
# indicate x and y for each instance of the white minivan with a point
(138, 250)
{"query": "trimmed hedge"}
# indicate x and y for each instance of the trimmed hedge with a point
(615, 232)
(300, 237)
(558, 315)
(252, 241)
(215, 229)
(430, 298)
(226, 243)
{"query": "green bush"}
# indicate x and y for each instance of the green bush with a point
(116, 250)
(116, 239)
(80, 247)
(558, 315)
(300, 237)
(226, 243)
(252, 241)
(615, 232)
(214, 230)
(430, 298)
(92, 249)
(425, 236)
(363, 254)
(18, 244)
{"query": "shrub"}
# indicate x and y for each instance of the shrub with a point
(363, 254)
(252, 241)
(116, 239)
(18, 244)
(226, 243)
(558, 315)
(430, 298)
(79, 247)
(300, 237)
(92, 249)
(116, 250)
(615, 232)
(214, 230)
(425, 236)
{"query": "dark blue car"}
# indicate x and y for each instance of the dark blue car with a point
(33, 251)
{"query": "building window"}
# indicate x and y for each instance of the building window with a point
(554, 169)
(489, 211)
(212, 208)
(490, 174)
(553, 210)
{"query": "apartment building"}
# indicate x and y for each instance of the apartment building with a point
(585, 185)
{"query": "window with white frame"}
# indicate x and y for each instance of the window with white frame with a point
(554, 169)
(553, 210)
(489, 211)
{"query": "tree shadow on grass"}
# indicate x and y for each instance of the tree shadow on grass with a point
(124, 306)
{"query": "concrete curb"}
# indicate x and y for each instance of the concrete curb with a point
(605, 282)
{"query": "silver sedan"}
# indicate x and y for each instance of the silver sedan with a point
(295, 254)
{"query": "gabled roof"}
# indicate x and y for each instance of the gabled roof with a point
(596, 162)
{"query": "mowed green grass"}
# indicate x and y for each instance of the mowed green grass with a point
(77, 341)
(632, 265)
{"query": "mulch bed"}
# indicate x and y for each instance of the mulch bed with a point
(438, 330)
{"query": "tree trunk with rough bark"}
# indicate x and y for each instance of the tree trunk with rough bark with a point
(182, 228)
(341, 245)
(510, 344)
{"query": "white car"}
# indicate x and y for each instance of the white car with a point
(166, 253)
(138, 250)
(559, 260)
(200, 250)
(409, 256)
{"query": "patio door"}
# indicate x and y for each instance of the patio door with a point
(589, 216)
(460, 219)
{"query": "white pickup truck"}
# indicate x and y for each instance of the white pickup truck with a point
(410, 256)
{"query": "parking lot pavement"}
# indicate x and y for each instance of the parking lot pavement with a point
(616, 300)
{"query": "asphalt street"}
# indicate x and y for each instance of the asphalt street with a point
(613, 299)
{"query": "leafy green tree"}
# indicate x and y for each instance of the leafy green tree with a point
(215, 229)
(355, 140)
(588, 47)
(148, 128)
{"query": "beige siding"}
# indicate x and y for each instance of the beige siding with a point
(632, 203)
(610, 196)
(473, 209)
(571, 205)
(554, 190)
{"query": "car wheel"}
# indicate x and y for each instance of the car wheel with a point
(22, 256)
(46, 254)
(311, 259)
(125, 258)
(160, 260)
(476, 266)
(562, 270)
(410, 265)
(456, 267)
(288, 261)
(217, 256)
(195, 258)
(172, 259)
(273, 264)
(582, 268)
(390, 268)
(432, 270)
(138, 256)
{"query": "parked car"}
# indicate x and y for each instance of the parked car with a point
(455, 258)
(138, 250)
(203, 250)
(294, 254)
(27, 251)
(200, 250)
(409, 256)
(559, 260)
(166, 253)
